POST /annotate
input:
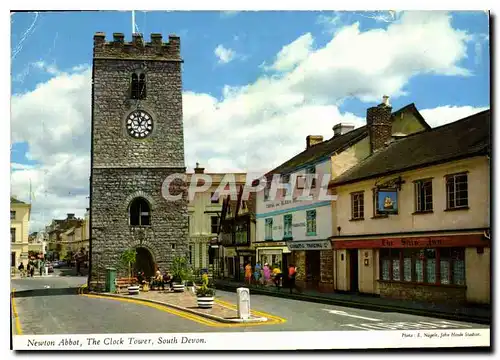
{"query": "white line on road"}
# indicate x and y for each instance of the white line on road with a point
(343, 313)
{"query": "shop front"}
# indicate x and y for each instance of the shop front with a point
(274, 253)
(314, 262)
(441, 268)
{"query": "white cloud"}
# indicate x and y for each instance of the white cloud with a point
(443, 115)
(253, 127)
(293, 54)
(224, 55)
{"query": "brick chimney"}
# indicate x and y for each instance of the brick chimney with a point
(198, 169)
(342, 128)
(313, 140)
(378, 121)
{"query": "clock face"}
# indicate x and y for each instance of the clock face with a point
(139, 124)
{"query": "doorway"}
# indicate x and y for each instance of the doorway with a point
(353, 270)
(144, 262)
(13, 258)
(313, 268)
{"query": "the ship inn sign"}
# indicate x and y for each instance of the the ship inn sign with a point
(309, 245)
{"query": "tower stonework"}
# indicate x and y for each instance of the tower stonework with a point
(137, 142)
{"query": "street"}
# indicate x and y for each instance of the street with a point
(51, 305)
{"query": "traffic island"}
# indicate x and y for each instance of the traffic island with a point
(221, 312)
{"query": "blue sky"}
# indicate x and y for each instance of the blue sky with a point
(439, 62)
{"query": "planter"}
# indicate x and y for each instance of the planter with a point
(205, 302)
(178, 287)
(133, 290)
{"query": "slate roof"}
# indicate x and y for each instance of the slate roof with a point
(335, 144)
(13, 200)
(464, 138)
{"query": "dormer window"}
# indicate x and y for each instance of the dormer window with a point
(138, 86)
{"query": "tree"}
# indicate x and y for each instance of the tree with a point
(128, 258)
(180, 269)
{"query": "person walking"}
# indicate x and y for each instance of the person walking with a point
(277, 276)
(248, 274)
(257, 274)
(267, 274)
(41, 266)
(32, 269)
(292, 273)
(21, 269)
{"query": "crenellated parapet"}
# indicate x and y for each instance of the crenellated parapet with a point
(156, 49)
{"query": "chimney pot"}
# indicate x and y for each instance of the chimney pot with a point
(198, 169)
(313, 140)
(385, 100)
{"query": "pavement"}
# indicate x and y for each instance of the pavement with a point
(53, 306)
(475, 314)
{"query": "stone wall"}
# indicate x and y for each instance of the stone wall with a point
(112, 191)
(326, 266)
(418, 292)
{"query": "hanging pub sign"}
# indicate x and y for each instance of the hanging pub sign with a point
(387, 201)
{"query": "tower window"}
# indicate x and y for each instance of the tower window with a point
(138, 86)
(140, 212)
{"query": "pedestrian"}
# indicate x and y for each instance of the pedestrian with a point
(41, 266)
(248, 274)
(267, 274)
(167, 279)
(257, 274)
(277, 275)
(32, 269)
(158, 281)
(292, 273)
(21, 269)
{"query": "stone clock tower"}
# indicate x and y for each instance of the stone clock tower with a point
(137, 141)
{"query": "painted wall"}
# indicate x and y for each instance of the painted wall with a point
(299, 222)
(476, 217)
(406, 123)
(21, 224)
(368, 274)
(477, 275)
(350, 157)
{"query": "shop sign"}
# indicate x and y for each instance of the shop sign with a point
(387, 201)
(309, 245)
(414, 242)
(266, 244)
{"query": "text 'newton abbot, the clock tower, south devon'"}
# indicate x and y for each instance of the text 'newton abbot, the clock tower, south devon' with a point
(137, 142)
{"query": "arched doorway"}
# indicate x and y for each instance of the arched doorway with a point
(144, 262)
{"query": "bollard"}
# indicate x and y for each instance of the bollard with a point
(243, 304)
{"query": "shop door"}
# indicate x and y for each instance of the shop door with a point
(313, 268)
(353, 270)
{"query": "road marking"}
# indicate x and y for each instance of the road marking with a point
(17, 322)
(187, 315)
(419, 325)
(232, 306)
(343, 313)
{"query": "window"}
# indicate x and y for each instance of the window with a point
(266, 193)
(423, 196)
(241, 236)
(269, 229)
(214, 200)
(456, 191)
(358, 206)
(12, 258)
(430, 266)
(13, 215)
(189, 224)
(138, 86)
(310, 175)
(12, 235)
(214, 224)
(140, 213)
(287, 228)
(243, 205)
(286, 181)
(311, 222)
(191, 255)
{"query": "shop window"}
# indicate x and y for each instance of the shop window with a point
(430, 266)
(311, 222)
(423, 196)
(269, 229)
(287, 228)
(214, 224)
(457, 191)
(357, 206)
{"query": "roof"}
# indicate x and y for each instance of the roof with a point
(13, 200)
(337, 144)
(464, 138)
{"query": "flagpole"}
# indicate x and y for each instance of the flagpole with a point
(133, 21)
